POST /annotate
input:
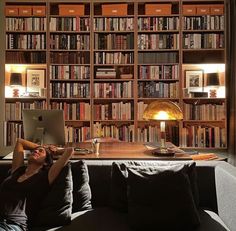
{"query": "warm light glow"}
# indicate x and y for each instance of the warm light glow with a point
(211, 68)
(20, 68)
(9, 91)
(163, 126)
(162, 110)
(221, 92)
(8, 68)
(207, 68)
(161, 115)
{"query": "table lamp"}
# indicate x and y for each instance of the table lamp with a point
(162, 111)
(213, 83)
(15, 81)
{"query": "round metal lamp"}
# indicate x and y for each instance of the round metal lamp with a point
(163, 111)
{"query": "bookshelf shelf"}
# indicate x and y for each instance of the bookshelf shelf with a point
(104, 69)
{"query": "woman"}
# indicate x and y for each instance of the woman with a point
(23, 190)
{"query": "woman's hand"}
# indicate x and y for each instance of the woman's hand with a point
(52, 148)
(59, 164)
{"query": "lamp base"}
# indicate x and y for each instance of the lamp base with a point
(15, 92)
(163, 152)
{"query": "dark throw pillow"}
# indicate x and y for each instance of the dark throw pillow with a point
(191, 172)
(81, 189)
(118, 191)
(56, 207)
(160, 197)
(119, 175)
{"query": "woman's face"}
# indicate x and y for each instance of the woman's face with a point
(38, 155)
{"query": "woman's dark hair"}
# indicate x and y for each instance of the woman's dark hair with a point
(49, 158)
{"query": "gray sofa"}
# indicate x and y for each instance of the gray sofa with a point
(217, 192)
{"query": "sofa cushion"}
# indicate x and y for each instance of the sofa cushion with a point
(210, 221)
(161, 197)
(119, 175)
(191, 172)
(81, 189)
(56, 208)
(107, 219)
(99, 219)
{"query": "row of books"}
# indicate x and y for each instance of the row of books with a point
(114, 58)
(69, 24)
(77, 134)
(114, 41)
(25, 57)
(158, 23)
(157, 57)
(203, 40)
(69, 90)
(113, 111)
(113, 90)
(12, 131)
(122, 132)
(159, 72)
(194, 136)
(204, 22)
(80, 57)
(140, 109)
(73, 111)
(199, 136)
(26, 24)
(158, 90)
(158, 41)
(204, 111)
(13, 111)
(26, 41)
(113, 24)
(70, 41)
(150, 133)
(69, 72)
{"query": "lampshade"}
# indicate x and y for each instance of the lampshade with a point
(213, 79)
(163, 110)
(15, 79)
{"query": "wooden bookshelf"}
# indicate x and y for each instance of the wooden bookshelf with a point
(104, 65)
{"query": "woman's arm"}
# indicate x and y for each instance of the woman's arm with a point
(18, 153)
(59, 164)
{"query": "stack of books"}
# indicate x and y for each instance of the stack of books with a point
(106, 73)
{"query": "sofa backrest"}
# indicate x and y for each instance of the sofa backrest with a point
(100, 175)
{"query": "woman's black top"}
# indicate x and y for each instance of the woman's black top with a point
(20, 201)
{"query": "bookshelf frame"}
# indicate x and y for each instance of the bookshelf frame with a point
(185, 58)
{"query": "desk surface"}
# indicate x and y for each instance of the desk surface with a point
(125, 150)
(129, 151)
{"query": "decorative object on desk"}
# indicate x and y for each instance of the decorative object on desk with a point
(96, 146)
(162, 111)
(35, 80)
(82, 151)
(213, 83)
(15, 82)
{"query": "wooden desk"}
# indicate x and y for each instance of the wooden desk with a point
(124, 150)
(130, 151)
